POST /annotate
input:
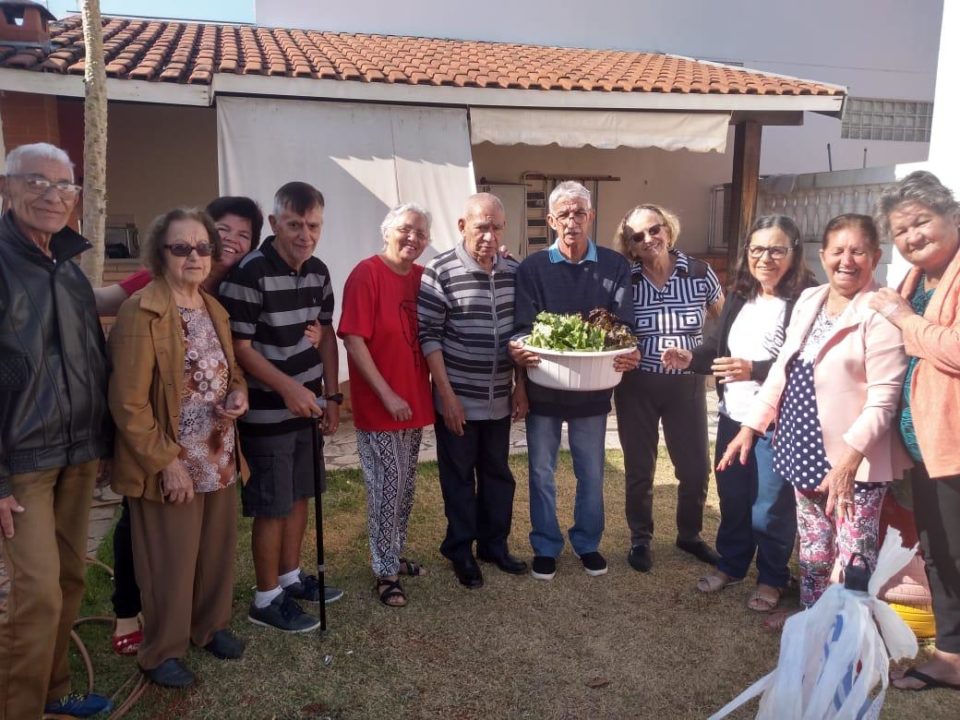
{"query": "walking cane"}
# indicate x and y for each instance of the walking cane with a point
(319, 471)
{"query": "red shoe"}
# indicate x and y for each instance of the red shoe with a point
(127, 644)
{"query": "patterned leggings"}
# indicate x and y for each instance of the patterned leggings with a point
(825, 540)
(389, 463)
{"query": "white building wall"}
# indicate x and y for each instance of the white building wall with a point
(945, 141)
(877, 48)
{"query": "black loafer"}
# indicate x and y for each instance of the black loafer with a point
(468, 573)
(506, 562)
(171, 673)
(640, 558)
(225, 645)
(700, 550)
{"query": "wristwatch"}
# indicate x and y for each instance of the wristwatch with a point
(335, 397)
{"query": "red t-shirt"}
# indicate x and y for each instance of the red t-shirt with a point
(381, 307)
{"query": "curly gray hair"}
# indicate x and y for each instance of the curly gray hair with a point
(920, 187)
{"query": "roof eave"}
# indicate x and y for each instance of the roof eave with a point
(48, 83)
(45, 83)
(507, 97)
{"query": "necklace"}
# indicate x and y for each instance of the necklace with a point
(830, 306)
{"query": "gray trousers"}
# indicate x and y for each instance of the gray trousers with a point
(643, 400)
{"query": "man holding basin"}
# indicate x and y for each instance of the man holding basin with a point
(573, 275)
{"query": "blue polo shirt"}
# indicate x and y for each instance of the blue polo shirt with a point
(557, 257)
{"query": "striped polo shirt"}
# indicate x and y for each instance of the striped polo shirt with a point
(468, 314)
(672, 316)
(270, 304)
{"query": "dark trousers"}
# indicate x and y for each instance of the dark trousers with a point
(680, 401)
(126, 593)
(477, 487)
(936, 507)
(758, 512)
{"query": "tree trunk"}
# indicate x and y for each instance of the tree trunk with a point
(94, 142)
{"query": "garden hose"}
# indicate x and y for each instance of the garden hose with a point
(136, 683)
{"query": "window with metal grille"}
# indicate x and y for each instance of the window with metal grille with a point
(878, 119)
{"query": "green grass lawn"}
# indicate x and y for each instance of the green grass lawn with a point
(624, 645)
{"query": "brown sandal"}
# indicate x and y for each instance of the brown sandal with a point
(761, 601)
(391, 589)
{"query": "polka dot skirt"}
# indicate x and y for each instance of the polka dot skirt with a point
(798, 453)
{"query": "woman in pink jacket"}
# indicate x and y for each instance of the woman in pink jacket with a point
(922, 217)
(833, 393)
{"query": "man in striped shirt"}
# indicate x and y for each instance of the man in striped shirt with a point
(272, 296)
(465, 316)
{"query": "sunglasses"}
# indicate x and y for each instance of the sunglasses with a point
(653, 231)
(184, 249)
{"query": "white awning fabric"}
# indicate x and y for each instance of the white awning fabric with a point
(364, 158)
(699, 132)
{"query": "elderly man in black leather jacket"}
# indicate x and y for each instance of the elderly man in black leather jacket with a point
(53, 430)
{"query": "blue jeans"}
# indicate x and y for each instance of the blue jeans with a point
(587, 449)
(758, 513)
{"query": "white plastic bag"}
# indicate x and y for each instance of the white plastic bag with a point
(835, 654)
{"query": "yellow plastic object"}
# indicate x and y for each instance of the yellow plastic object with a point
(919, 619)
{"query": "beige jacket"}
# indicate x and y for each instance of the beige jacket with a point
(146, 384)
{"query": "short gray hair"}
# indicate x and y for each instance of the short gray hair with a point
(921, 187)
(393, 217)
(569, 190)
(17, 157)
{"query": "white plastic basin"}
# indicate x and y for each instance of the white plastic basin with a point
(575, 369)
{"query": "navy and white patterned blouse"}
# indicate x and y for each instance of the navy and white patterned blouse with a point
(672, 316)
(798, 452)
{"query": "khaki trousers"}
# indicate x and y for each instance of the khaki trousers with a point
(183, 556)
(46, 561)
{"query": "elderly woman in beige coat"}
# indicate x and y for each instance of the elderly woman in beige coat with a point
(175, 393)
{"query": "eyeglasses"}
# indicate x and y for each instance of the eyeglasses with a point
(776, 252)
(578, 216)
(653, 231)
(410, 229)
(39, 185)
(184, 249)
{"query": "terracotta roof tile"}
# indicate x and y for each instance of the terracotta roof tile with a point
(191, 53)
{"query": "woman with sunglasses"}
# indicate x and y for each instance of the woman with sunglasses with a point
(175, 393)
(672, 293)
(757, 509)
(239, 222)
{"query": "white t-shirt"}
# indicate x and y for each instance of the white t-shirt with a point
(757, 333)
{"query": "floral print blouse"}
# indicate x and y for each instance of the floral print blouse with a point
(207, 439)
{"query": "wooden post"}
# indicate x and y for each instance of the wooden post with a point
(94, 142)
(743, 188)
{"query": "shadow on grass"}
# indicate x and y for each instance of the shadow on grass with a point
(625, 645)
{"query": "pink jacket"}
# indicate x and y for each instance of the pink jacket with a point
(935, 388)
(857, 376)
